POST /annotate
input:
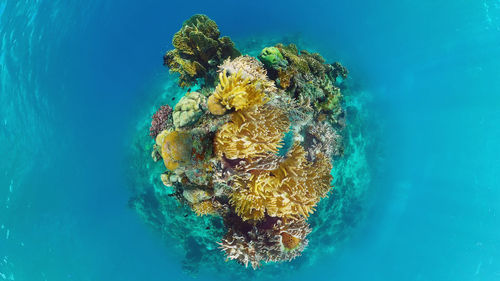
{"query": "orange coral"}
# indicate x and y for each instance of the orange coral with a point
(254, 132)
(174, 150)
(289, 241)
(292, 190)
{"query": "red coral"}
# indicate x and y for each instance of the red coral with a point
(160, 121)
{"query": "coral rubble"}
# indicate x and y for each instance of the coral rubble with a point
(254, 148)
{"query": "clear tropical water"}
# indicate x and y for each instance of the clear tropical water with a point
(76, 77)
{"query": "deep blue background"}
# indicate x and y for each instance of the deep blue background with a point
(74, 75)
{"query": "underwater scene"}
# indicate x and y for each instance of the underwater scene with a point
(328, 140)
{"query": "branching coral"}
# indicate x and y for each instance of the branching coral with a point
(255, 132)
(283, 241)
(198, 49)
(160, 120)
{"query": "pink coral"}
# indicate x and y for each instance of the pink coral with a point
(160, 120)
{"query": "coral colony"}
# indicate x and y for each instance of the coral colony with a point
(254, 144)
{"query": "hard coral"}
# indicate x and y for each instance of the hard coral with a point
(160, 120)
(255, 132)
(283, 241)
(189, 109)
(198, 50)
(174, 150)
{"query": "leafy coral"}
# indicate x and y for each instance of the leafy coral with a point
(198, 50)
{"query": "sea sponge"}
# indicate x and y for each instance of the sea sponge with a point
(272, 58)
(174, 150)
(198, 50)
(238, 92)
(290, 191)
(188, 110)
(255, 132)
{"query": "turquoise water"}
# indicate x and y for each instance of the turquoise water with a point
(77, 79)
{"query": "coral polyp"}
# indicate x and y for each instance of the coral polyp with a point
(250, 147)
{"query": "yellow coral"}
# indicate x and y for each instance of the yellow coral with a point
(238, 93)
(255, 132)
(204, 208)
(215, 107)
(291, 190)
(174, 150)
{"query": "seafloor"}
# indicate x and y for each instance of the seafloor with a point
(194, 239)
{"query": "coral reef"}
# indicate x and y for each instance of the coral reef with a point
(198, 50)
(248, 159)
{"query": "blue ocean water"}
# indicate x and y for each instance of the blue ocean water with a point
(76, 76)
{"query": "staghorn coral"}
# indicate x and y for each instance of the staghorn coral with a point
(161, 120)
(198, 50)
(255, 132)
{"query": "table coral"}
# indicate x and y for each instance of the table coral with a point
(254, 150)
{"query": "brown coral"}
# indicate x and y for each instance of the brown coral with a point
(198, 49)
(292, 190)
(255, 132)
(160, 120)
(266, 244)
(204, 208)
(238, 92)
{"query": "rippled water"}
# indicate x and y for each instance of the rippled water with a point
(75, 78)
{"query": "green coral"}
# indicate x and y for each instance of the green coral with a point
(189, 109)
(272, 58)
(198, 50)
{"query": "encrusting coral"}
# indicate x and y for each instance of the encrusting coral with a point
(254, 149)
